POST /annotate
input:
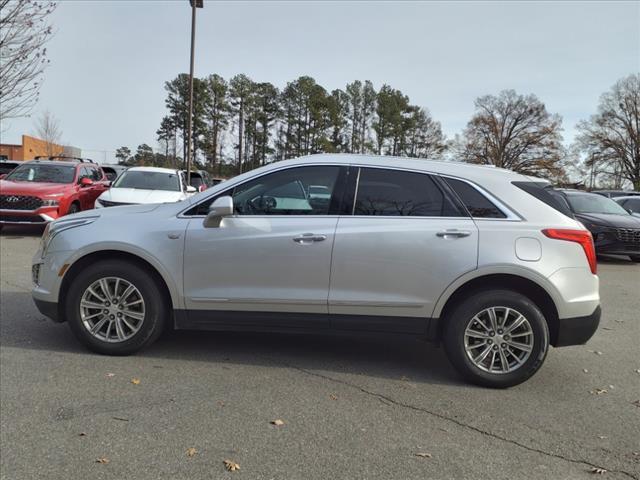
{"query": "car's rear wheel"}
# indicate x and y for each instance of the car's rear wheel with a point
(115, 308)
(496, 338)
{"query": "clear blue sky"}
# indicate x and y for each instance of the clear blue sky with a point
(110, 59)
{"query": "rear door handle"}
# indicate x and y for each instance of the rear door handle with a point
(307, 238)
(453, 233)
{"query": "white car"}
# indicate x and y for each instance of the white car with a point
(140, 185)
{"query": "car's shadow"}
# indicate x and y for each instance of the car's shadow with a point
(615, 260)
(390, 357)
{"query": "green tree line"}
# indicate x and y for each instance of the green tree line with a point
(240, 124)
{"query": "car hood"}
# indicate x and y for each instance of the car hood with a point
(136, 195)
(8, 187)
(609, 220)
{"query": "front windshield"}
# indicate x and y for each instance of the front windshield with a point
(148, 181)
(592, 203)
(43, 173)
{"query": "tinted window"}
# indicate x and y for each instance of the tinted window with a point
(398, 193)
(478, 205)
(148, 180)
(632, 204)
(43, 173)
(96, 174)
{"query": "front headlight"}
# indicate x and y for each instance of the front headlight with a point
(50, 203)
(54, 228)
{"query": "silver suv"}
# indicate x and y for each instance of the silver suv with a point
(478, 258)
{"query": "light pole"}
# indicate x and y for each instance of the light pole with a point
(194, 4)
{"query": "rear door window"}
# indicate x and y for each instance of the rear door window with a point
(386, 192)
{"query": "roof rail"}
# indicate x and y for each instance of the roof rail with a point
(63, 158)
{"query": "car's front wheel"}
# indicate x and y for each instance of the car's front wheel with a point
(115, 307)
(496, 338)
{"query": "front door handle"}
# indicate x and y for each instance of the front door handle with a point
(454, 233)
(308, 238)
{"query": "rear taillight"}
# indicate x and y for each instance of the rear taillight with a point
(583, 237)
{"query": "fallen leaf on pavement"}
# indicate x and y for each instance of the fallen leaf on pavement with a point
(231, 465)
(277, 423)
(423, 455)
(636, 403)
(191, 452)
(602, 437)
(220, 403)
(607, 328)
(599, 391)
(638, 371)
(333, 397)
(597, 352)
(102, 460)
(135, 381)
(598, 470)
(585, 370)
(82, 434)
(111, 375)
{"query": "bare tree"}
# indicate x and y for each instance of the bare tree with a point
(611, 137)
(515, 132)
(48, 129)
(24, 31)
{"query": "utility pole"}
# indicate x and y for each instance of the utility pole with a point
(194, 4)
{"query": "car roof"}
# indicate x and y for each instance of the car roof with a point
(627, 197)
(457, 169)
(153, 169)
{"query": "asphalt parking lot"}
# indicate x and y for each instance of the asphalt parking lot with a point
(352, 408)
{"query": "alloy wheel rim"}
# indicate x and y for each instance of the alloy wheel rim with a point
(498, 340)
(112, 309)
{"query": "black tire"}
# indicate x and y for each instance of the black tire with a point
(460, 317)
(73, 208)
(155, 315)
(635, 258)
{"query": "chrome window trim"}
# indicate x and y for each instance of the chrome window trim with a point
(510, 214)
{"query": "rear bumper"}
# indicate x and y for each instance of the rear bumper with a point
(577, 330)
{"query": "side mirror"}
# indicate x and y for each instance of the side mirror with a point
(220, 208)
(191, 189)
(86, 182)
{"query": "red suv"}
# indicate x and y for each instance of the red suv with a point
(40, 191)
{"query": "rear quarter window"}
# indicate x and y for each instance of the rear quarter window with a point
(478, 205)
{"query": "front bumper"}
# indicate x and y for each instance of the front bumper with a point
(608, 241)
(576, 330)
(46, 275)
(41, 216)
